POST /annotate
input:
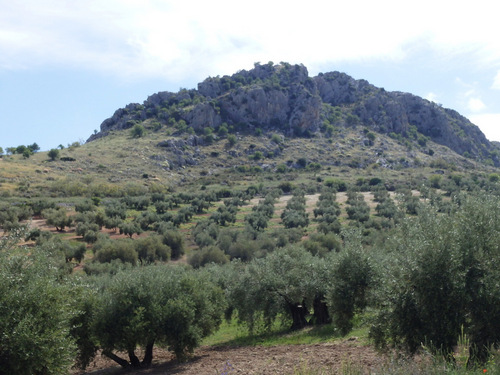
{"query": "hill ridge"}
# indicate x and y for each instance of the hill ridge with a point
(283, 98)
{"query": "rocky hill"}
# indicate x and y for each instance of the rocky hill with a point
(284, 99)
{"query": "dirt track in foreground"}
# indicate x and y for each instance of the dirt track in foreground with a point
(252, 360)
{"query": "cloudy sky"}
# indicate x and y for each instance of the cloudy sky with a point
(66, 65)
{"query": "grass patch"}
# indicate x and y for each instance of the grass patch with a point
(233, 334)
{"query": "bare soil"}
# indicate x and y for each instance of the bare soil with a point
(252, 360)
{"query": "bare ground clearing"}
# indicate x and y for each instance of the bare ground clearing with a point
(252, 360)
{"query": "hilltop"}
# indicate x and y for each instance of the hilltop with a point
(270, 123)
(284, 99)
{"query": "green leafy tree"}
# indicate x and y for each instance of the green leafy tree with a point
(57, 218)
(20, 149)
(352, 276)
(137, 131)
(27, 153)
(129, 228)
(208, 255)
(35, 316)
(33, 148)
(358, 209)
(173, 239)
(150, 249)
(224, 215)
(440, 277)
(294, 215)
(107, 251)
(165, 306)
(53, 154)
(285, 282)
(257, 220)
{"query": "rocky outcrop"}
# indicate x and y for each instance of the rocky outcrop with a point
(285, 99)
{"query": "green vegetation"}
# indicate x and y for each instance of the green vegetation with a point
(150, 237)
(53, 154)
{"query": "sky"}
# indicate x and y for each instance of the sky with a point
(67, 65)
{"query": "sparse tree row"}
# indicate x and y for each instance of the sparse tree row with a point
(435, 273)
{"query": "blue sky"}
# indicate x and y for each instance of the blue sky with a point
(67, 65)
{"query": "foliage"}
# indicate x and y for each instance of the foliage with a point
(173, 239)
(166, 306)
(53, 154)
(57, 218)
(443, 273)
(150, 249)
(211, 254)
(129, 228)
(34, 313)
(286, 281)
(11, 216)
(351, 278)
(109, 250)
(137, 131)
(294, 215)
(358, 209)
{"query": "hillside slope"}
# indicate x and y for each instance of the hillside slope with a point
(283, 98)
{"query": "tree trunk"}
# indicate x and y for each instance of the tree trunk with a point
(320, 315)
(122, 362)
(134, 361)
(148, 355)
(298, 312)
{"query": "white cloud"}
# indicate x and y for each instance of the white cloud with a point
(475, 104)
(496, 82)
(489, 123)
(176, 39)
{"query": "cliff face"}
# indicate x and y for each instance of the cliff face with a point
(285, 99)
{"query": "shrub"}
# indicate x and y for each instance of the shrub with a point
(173, 239)
(53, 154)
(336, 184)
(116, 249)
(231, 140)
(150, 249)
(276, 139)
(285, 186)
(281, 168)
(137, 131)
(212, 254)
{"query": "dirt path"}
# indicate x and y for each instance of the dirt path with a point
(252, 360)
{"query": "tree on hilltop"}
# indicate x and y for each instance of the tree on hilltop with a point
(53, 154)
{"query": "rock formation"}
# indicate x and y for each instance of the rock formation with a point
(283, 98)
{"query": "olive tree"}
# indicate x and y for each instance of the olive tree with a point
(286, 281)
(35, 315)
(58, 218)
(441, 275)
(168, 306)
(351, 277)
